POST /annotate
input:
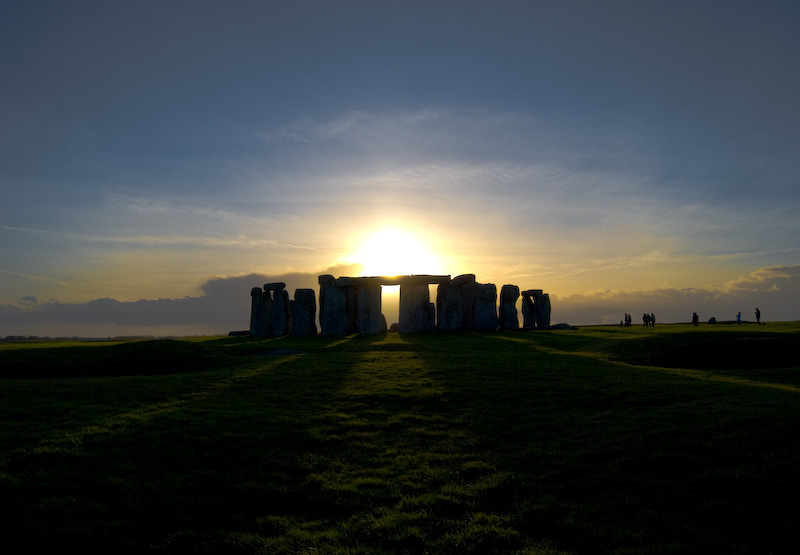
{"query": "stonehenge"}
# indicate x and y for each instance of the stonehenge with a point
(349, 305)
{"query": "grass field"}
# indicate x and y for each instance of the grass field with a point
(671, 439)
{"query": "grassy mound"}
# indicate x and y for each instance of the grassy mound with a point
(726, 350)
(132, 358)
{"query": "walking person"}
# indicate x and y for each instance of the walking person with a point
(758, 317)
(652, 320)
(739, 318)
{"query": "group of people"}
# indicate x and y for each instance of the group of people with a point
(648, 320)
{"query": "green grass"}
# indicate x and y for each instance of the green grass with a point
(671, 439)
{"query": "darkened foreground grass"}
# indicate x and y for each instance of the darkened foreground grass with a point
(545, 442)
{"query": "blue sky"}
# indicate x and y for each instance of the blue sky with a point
(161, 158)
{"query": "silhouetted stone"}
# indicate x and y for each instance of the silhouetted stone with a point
(508, 308)
(448, 304)
(277, 286)
(370, 317)
(304, 313)
(544, 314)
(455, 302)
(415, 312)
(332, 306)
(529, 308)
(485, 307)
(281, 323)
(260, 313)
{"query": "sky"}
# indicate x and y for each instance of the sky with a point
(160, 159)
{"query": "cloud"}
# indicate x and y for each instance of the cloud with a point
(224, 306)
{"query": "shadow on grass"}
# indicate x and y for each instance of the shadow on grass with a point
(603, 458)
(438, 443)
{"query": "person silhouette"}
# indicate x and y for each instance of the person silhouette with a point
(758, 317)
(739, 318)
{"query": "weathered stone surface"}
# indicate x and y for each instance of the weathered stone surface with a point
(509, 319)
(535, 310)
(448, 305)
(463, 279)
(416, 312)
(544, 314)
(455, 303)
(304, 313)
(332, 306)
(486, 307)
(528, 313)
(281, 323)
(370, 318)
(351, 294)
(260, 313)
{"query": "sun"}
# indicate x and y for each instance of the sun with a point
(394, 252)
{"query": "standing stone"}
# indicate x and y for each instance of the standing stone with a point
(528, 313)
(304, 313)
(535, 310)
(485, 307)
(508, 308)
(351, 295)
(448, 307)
(281, 323)
(260, 325)
(332, 306)
(455, 303)
(469, 291)
(370, 317)
(416, 313)
(544, 314)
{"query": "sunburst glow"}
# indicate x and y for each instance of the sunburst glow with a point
(393, 252)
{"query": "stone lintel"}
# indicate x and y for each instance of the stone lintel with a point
(532, 292)
(463, 279)
(277, 286)
(391, 280)
(357, 281)
(421, 279)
